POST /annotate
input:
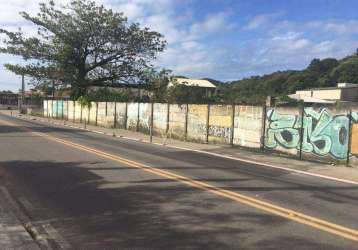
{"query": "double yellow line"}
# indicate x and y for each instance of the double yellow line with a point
(252, 202)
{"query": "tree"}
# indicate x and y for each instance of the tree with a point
(83, 45)
(157, 84)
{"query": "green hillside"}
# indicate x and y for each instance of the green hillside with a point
(319, 73)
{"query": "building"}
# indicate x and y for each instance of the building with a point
(8, 99)
(345, 92)
(206, 85)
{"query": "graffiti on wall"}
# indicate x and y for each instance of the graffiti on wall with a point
(323, 133)
(219, 131)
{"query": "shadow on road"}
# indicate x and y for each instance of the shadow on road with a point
(92, 211)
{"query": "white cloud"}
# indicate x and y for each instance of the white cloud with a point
(346, 27)
(213, 23)
(187, 52)
(256, 22)
(260, 21)
(281, 44)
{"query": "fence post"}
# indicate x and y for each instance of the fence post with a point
(81, 114)
(96, 114)
(232, 125)
(51, 109)
(67, 110)
(74, 111)
(48, 111)
(302, 113)
(263, 132)
(138, 110)
(168, 113)
(349, 143)
(151, 123)
(115, 115)
(207, 123)
(62, 110)
(56, 109)
(88, 112)
(186, 123)
(126, 116)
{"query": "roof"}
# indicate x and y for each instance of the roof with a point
(346, 86)
(309, 99)
(193, 83)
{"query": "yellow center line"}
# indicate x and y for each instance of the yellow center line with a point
(323, 225)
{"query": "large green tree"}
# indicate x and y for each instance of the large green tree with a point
(81, 45)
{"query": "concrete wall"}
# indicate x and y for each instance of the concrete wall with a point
(282, 130)
(350, 94)
(54, 108)
(121, 115)
(220, 122)
(354, 144)
(177, 115)
(132, 116)
(325, 134)
(45, 105)
(304, 93)
(70, 110)
(109, 123)
(85, 114)
(92, 113)
(78, 112)
(160, 117)
(65, 110)
(144, 117)
(325, 131)
(101, 114)
(50, 104)
(329, 94)
(354, 139)
(197, 122)
(60, 108)
(248, 125)
(57, 108)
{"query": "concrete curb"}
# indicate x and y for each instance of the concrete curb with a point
(25, 221)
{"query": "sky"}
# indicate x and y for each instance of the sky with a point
(223, 39)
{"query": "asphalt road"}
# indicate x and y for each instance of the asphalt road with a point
(80, 199)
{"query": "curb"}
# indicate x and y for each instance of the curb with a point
(40, 242)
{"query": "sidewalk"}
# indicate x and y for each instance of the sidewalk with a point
(338, 172)
(12, 233)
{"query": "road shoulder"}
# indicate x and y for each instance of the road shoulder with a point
(13, 234)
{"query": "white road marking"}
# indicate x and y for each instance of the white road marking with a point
(261, 164)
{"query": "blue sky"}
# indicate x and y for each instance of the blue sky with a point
(226, 39)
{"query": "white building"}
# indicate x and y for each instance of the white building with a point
(346, 92)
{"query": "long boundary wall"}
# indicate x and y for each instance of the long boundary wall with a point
(177, 122)
(248, 126)
(220, 123)
(323, 134)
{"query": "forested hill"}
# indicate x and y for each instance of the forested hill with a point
(319, 73)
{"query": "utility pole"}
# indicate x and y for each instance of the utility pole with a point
(53, 89)
(22, 97)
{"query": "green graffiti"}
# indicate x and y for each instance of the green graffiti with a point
(57, 108)
(355, 116)
(322, 133)
(338, 132)
(282, 130)
(313, 138)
